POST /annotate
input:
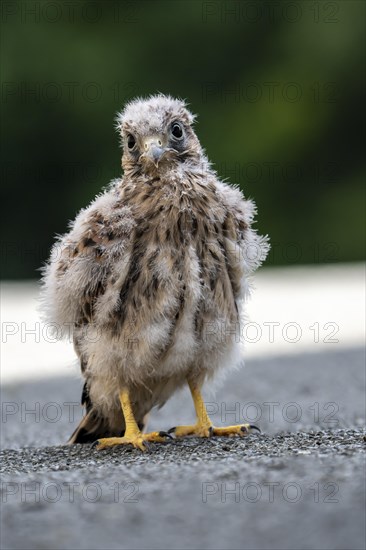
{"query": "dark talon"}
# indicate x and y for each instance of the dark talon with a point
(210, 431)
(171, 430)
(252, 427)
(94, 444)
(166, 434)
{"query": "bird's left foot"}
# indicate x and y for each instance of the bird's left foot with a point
(241, 430)
(207, 430)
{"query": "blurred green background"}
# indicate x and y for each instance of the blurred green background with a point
(278, 87)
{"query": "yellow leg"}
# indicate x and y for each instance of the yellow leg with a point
(204, 426)
(133, 435)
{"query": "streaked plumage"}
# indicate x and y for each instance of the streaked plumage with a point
(150, 268)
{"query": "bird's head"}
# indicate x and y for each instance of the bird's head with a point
(157, 135)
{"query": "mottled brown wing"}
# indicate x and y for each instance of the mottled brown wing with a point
(87, 259)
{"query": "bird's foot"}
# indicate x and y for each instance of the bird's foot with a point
(199, 430)
(139, 440)
(207, 430)
(240, 430)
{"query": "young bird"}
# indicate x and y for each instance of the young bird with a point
(151, 279)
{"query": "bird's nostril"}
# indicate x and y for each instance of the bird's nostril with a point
(159, 142)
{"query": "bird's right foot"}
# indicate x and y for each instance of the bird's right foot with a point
(138, 441)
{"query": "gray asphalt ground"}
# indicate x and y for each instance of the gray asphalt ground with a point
(300, 484)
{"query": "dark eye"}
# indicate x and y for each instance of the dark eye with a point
(131, 142)
(177, 130)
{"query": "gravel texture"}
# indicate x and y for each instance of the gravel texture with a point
(297, 485)
(348, 443)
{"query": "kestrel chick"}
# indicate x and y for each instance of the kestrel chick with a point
(151, 278)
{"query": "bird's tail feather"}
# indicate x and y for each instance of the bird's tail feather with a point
(92, 427)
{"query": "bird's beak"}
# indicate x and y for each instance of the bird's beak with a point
(153, 149)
